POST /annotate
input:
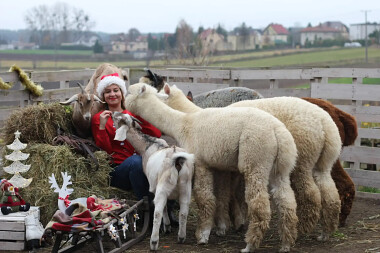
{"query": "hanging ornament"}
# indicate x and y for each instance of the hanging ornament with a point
(112, 232)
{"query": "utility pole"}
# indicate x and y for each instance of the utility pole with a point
(366, 36)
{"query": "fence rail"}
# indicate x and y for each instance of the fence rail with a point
(358, 99)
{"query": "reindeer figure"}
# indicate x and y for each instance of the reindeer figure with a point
(64, 192)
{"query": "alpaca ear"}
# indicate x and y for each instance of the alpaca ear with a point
(190, 96)
(167, 89)
(142, 89)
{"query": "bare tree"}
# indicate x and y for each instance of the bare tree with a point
(52, 25)
(184, 39)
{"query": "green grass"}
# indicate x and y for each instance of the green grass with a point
(48, 52)
(321, 58)
(275, 58)
(349, 80)
(368, 189)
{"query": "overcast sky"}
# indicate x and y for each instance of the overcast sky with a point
(116, 16)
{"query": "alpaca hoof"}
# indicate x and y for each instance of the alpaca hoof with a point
(220, 231)
(181, 239)
(167, 229)
(323, 238)
(154, 245)
(284, 249)
(202, 236)
(203, 241)
(248, 248)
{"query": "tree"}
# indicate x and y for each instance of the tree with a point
(220, 30)
(133, 34)
(52, 25)
(375, 36)
(200, 30)
(184, 38)
(98, 48)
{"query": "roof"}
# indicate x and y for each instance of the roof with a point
(320, 28)
(206, 33)
(279, 29)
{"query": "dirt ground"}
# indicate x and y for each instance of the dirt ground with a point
(361, 234)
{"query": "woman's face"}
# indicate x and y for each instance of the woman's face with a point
(113, 95)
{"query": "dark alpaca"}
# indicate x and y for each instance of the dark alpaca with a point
(348, 131)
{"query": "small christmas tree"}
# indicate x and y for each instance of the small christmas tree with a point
(17, 167)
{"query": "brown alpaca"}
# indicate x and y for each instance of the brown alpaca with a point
(348, 132)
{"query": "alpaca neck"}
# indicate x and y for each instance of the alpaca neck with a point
(181, 103)
(161, 116)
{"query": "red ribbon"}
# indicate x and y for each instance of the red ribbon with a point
(114, 74)
(65, 200)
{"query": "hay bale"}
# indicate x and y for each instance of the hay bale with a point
(38, 123)
(46, 159)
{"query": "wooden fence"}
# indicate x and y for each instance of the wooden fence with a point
(360, 100)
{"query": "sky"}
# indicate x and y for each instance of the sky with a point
(164, 15)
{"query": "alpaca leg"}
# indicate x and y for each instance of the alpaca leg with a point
(205, 199)
(285, 202)
(259, 213)
(237, 206)
(184, 202)
(346, 190)
(307, 195)
(330, 203)
(222, 180)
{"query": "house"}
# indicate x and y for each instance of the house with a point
(121, 44)
(212, 41)
(357, 31)
(238, 41)
(275, 34)
(84, 40)
(325, 31)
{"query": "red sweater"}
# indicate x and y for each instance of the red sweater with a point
(119, 150)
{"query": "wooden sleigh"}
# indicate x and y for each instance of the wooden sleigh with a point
(70, 242)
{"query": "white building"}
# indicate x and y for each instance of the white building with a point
(357, 31)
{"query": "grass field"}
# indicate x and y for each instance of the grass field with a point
(48, 52)
(275, 58)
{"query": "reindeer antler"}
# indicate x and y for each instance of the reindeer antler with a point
(54, 183)
(66, 182)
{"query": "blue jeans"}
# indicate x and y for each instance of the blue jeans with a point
(129, 175)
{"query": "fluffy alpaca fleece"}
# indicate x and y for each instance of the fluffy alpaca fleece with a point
(169, 171)
(318, 143)
(348, 132)
(262, 149)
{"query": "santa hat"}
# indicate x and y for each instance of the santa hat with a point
(108, 80)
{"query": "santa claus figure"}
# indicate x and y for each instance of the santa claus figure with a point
(11, 200)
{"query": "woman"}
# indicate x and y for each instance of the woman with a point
(128, 173)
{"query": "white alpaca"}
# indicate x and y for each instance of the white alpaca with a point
(169, 171)
(261, 148)
(318, 143)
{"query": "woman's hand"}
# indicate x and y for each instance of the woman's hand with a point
(104, 118)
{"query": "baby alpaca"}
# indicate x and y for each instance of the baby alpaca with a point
(169, 171)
